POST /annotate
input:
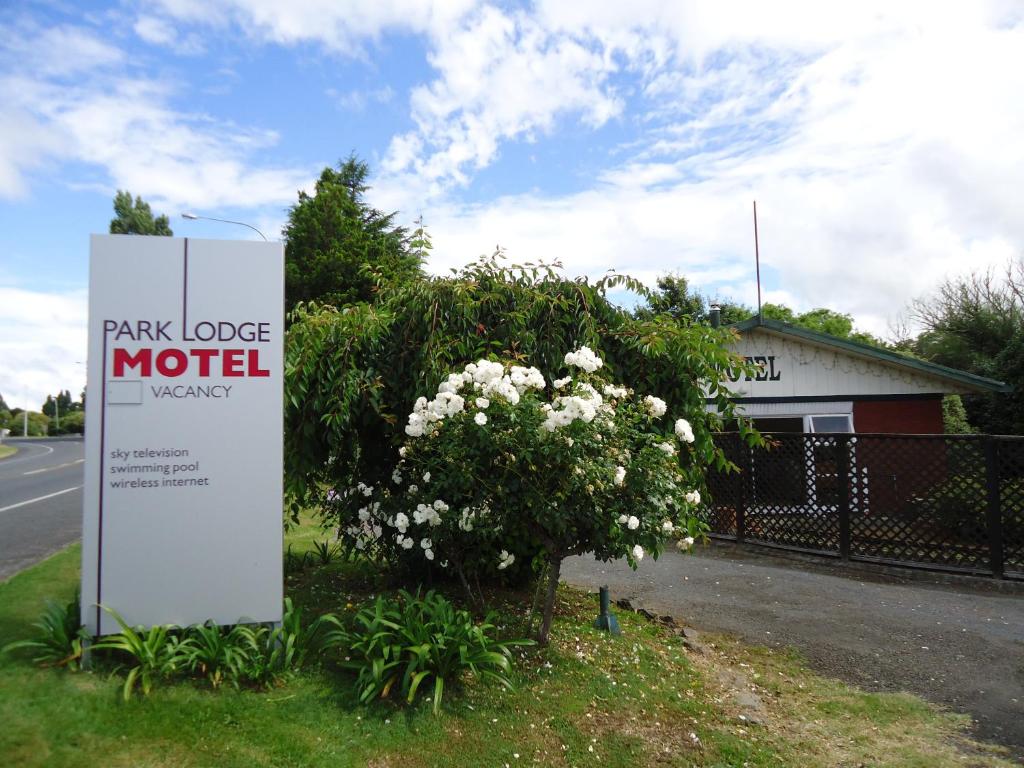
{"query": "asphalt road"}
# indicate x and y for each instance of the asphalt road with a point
(40, 500)
(959, 644)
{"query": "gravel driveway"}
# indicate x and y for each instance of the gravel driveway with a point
(957, 642)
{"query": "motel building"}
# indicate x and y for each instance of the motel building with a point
(810, 382)
(856, 464)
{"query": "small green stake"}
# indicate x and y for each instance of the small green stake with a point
(607, 620)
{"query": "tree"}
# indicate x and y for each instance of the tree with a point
(338, 249)
(674, 297)
(72, 424)
(38, 424)
(976, 323)
(355, 372)
(136, 218)
(60, 405)
(500, 469)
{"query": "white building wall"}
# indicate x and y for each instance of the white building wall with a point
(797, 368)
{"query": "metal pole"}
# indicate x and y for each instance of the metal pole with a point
(194, 216)
(757, 262)
(24, 429)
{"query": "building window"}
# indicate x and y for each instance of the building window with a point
(834, 423)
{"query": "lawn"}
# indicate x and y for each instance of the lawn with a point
(7, 450)
(640, 699)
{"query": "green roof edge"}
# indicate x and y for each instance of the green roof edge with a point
(885, 355)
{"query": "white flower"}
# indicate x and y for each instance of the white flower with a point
(482, 403)
(667, 527)
(610, 390)
(426, 477)
(623, 519)
(655, 405)
(401, 522)
(633, 522)
(429, 554)
(638, 552)
(505, 560)
(559, 383)
(684, 431)
(396, 477)
(526, 378)
(364, 514)
(667, 448)
(584, 358)
(415, 426)
(407, 544)
(413, 488)
(480, 418)
(620, 475)
(693, 497)
(426, 543)
(402, 451)
(684, 544)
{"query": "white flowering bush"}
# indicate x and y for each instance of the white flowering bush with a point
(500, 469)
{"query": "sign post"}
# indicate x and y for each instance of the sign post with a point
(183, 473)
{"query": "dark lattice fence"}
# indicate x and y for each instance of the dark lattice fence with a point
(937, 501)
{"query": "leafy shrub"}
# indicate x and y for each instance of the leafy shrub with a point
(289, 646)
(154, 653)
(496, 471)
(220, 653)
(354, 372)
(59, 642)
(295, 563)
(417, 641)
(325, 552)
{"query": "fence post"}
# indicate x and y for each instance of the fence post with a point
(995, 513)
(844, 496)
(745, 479)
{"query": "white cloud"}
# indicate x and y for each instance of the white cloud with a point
(358, 100)
(340, 26)
(42, 335)
(127, 127)
(160, 31)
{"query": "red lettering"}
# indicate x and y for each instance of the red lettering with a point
(204, 356)
(179, 358)
(233, 362)
(175, 362)
(143, 359)
(254, 364)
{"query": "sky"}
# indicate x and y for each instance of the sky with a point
(882, 141)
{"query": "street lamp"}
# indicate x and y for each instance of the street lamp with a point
(193, 217)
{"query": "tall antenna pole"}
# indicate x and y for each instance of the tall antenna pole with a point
(757, 261)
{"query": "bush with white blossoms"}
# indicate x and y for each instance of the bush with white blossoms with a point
(509, 471)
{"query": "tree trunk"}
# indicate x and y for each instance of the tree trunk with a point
(535, 606)
(473, 601)
(554, 570)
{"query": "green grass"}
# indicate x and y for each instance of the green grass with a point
(588, 700)
(7, 450)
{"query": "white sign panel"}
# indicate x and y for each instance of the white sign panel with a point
(182, 511)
